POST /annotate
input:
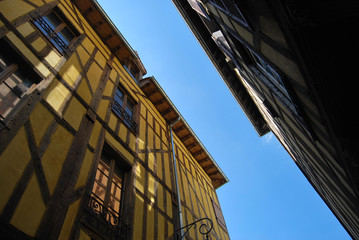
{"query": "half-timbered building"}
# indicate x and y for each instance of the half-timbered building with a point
(89, 148)
(288, 65)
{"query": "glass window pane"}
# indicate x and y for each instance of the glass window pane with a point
(105, 169)
(116, 191)
(119, 97)
(101, 178)
(117, 180)
(99, 191)
(115, 204)
(66, 35)
(19, 76)
(129, 108)
(107, 192)
(53, 20)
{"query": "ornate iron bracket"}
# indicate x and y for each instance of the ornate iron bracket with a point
(204, 228)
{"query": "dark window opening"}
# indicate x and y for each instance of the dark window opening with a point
(132, 72)
(232, 9)
(241, 50)
(16, 78)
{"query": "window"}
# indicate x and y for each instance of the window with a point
(16, 78)
(241, 49)
(124, 108)
(57, 29)
(231, 8)
(107, 190)
(274, 81)
(131, 71)
(221, 41)
(199, 8)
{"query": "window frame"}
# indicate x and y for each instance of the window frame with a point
(53, 33)
(231, 9)
(104, 208)
(121, 110)
(95, 221)
(14, 66)
(130, 70)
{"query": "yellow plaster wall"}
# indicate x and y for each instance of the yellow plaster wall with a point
(69, 220)
(150, 223)
(40, 120)
(12, 13)
(71, 70)
(55, 156)
(95, 134)
(74, 113)
(140, 178)
(84, 91)
(25, 29)
(138, 218)
(29, 212)
(13, 162)
(84, 236)
(39, 44)
(56, 95)
(102, 108)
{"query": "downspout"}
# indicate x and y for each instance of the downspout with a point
(176, 180)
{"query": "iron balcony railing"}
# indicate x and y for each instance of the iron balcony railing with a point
(118, 109)
(41, 23)
(107, 216)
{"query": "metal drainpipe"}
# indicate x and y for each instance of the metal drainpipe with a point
(176, 180)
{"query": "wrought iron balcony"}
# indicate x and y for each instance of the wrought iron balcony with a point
(118, 109)
(105, 220)
(54, 38)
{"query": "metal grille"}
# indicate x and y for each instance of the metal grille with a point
(118, 109)
(50, 33)
(107, 216)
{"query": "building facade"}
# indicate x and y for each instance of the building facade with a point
(287, 64)
(90, 149)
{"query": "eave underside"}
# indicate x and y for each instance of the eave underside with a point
(185, 134)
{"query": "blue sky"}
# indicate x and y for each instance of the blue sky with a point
(267, 197)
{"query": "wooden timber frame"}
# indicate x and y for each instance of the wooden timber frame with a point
(52, 141)
(183, 131)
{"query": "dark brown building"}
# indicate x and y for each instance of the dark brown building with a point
(288, 63)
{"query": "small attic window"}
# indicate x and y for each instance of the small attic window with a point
(130, 70)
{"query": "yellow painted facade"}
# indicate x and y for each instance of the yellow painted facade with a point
(53, 138)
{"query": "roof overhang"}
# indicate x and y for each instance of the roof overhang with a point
(109, 34)
(169, 112)
(201, 30)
